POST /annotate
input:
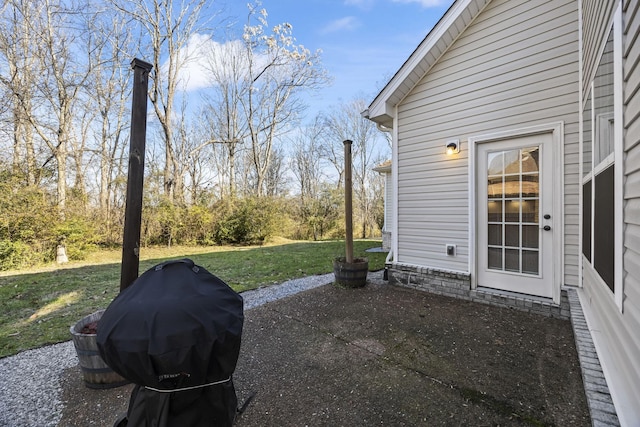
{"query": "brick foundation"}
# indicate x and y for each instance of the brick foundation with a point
(458, 285)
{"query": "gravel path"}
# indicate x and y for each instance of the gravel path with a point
(30, 385)
(30, 382)
(271, 293)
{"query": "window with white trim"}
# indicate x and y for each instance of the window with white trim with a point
(598, 189)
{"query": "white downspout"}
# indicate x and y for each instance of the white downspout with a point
(390, 255)
(394, 228)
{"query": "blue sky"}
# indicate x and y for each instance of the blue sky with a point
(363, 42)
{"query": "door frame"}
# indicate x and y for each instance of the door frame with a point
(557, 169)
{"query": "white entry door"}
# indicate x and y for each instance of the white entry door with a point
(515, 221)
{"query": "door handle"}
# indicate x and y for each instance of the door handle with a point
(547, 216)
(546, 228)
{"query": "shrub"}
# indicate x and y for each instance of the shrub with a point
(198, 226)
(161, 222)
(319, 217)
(26, 224)
(79, 236)
(250, 220)
(14, 255)
(27, 213)
(169, 216)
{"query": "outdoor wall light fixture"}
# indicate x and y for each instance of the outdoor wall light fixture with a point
(453, 147)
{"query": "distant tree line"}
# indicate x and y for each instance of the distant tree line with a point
(228, 158)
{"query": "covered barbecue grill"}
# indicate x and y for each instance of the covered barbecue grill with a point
(175, 332)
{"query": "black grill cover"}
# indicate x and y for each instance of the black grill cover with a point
(176, 327)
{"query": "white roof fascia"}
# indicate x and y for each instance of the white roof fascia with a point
(381, 109)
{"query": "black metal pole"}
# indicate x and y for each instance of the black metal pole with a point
(135, 180)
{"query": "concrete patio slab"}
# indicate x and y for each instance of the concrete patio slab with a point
(387, 355)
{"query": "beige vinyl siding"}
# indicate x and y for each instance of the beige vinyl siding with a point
(616, 332)
(515, 66)
(388, 202)
(572, 204)
(617, 343)
(631, 101)
(596, 14)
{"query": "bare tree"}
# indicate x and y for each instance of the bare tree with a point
(307, 167)
(169, 26)
(64, 81)
(254, 96)
(275, 180)
(278, 71)
(306, 161)
(187, 154)
(199, 171)
(66, 87)
(223, 158)
(109, 86)
(17, 50)
(346, 122)
(51, 30)
(226, 64)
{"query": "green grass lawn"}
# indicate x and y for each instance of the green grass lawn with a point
(37, 307)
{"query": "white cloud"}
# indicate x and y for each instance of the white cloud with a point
(423, 3)
(199, 57)
(193, 73)
(347, 23)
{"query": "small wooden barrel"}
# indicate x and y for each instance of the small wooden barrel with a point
(95, 372)
(351, 275)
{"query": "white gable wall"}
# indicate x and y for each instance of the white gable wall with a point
(524, 73)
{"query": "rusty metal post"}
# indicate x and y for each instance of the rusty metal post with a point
(135, 179)
(348, 202)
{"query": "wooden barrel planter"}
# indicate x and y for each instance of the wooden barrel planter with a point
(351, 274)
(95, 373)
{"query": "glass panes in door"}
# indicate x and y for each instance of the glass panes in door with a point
(513, 205)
